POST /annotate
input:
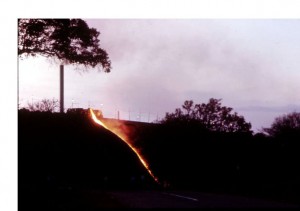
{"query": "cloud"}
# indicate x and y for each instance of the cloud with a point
(281, 109)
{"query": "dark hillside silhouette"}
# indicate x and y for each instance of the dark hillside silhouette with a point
(60, 153)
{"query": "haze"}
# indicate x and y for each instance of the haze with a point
(253, 65)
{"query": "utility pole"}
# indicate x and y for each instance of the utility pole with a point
(61, 88)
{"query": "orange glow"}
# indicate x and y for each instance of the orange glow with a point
(122, 135)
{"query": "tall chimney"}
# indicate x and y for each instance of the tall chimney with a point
(61, 88)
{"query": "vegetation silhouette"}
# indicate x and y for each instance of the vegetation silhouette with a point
(47, 105)
(69, 40)
(211, 116)
(189, 154)
(285, 126)
(62, 155)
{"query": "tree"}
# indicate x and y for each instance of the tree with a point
(69, 40)
(44, 105)
(212, 116)
(285, 125)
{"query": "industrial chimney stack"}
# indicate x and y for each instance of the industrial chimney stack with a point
(61, 88)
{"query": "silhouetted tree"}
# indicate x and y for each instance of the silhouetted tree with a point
(69, 40)
(285, 125)
(188, 106)
(211, 115)
(44, 105)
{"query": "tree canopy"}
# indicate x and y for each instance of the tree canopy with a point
(285, 125)
(69, 40)
(211, 116)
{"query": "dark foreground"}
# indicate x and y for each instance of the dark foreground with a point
(98, 200)
(188, 199)
(63, 157)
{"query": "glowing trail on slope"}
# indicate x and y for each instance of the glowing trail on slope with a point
(124, 138)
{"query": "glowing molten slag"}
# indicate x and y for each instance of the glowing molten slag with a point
(125, 139)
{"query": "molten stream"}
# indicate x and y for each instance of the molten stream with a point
(124, 138)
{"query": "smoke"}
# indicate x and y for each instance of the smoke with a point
(157, 64)
(128, 131)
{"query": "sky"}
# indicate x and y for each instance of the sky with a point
(251, 64)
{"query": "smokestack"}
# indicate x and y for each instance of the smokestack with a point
(61, 88)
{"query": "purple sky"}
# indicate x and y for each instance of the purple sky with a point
(253, 65)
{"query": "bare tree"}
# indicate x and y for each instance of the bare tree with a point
(45, 105)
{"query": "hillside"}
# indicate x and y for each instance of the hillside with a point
(60, 152)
